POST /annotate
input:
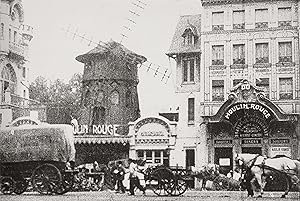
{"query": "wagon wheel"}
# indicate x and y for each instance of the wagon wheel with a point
(46, 179)
(7, 185)
(21, 186)
(177, 187)
(160, 181)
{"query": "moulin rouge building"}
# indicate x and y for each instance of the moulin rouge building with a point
(238, 80)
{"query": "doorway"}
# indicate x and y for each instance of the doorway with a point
(252, 150)
(223, 157)
(190, 161)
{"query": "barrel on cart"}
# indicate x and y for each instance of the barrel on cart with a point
(39, 155)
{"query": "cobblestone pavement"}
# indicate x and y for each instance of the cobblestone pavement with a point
(187, 196)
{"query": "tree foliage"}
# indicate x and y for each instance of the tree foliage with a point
(62, 99)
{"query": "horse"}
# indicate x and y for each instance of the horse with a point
(262, 167)
(205, 173)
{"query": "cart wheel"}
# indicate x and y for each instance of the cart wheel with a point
(160, 181)
(7, 185)
(46, 179)
(177, 187)
(21, 186)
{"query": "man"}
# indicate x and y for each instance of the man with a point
(120, 177)
(246, 182)
(133, 178)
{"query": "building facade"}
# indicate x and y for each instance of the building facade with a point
(15, 37)
(244, 96)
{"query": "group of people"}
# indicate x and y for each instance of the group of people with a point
(134, 181)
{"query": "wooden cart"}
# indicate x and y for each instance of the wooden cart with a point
(37, 154)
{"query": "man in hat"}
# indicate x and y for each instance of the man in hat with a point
(133, 178)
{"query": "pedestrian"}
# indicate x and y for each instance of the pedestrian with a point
(120, 177)
(246, 182)
(133, 178)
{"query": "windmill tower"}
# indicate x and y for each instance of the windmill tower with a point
(109, 93)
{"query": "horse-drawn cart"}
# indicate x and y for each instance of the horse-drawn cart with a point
(38, 155)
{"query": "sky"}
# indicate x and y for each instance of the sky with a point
(53, 50)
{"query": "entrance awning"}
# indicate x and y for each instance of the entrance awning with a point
(100, 139)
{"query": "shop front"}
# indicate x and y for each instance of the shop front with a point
(249, 123)
(153, 140)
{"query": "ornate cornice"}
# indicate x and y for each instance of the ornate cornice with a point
(248, 30)
(222, 2)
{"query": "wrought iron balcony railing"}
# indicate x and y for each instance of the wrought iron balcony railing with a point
(17, 48)
(13, 100)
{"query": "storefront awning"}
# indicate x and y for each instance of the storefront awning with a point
(100, 139)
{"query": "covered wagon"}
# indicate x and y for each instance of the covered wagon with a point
(38, 154)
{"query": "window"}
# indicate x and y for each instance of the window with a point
(100, 96)
(218, 55)
(262, 53)
(264, 84)
(285, 51)
(188, 37)
(154, 156)
(261, 18)
(157, 157)
(285, 17)
(15, 36)
(2, 31)
(191, 109)
(285, 88)
(98, 117)
(189, 70)
(239, 54)
(218, 90)
(24, 72)
(128, 99)
(218, 21)
(114, 97)
(238, 19)
(236, 81)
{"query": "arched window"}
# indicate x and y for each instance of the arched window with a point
(98, 117)
(8, 79)
(100, 96)
(188, 36)
(114, 98)
(128, 98)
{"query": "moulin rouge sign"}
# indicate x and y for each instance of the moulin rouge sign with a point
(95, 129)
(248, 106)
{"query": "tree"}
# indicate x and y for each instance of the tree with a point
(62, 99)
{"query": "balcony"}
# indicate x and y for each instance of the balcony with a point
(261, 25)
(217, 27)
(17, 49)
(239, 26)
(217, 62)
(13, 100)
(284, 24)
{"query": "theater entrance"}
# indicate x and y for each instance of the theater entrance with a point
(223, 157)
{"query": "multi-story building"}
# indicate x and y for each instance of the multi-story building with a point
(14, 40)
(238, 80)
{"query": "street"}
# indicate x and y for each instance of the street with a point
(112, 196)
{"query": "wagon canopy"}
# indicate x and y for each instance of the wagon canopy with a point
(51, 142)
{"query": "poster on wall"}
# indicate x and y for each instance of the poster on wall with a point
(275, 151)
(224, 161)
